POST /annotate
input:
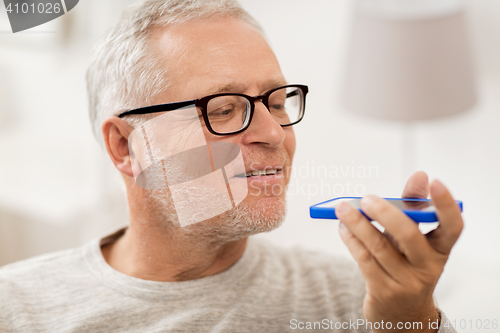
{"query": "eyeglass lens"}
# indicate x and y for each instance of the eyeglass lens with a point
(231, 113)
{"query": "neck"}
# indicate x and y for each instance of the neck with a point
(170, 254)
(153, 248)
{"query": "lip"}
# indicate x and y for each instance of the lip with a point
(265, 180)
(263, 166)
(278, 168)
(263, 172)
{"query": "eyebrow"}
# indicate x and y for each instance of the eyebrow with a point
(238, 88)
(228, 88)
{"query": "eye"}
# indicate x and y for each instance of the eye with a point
(222, 112)
(277, 101)
(278, 107)
(225, 112)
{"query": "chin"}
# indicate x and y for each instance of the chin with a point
(246, 219)
(263, 215)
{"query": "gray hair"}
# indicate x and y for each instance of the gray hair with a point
(123, 75)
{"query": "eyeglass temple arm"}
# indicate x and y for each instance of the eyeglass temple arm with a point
(158, 108)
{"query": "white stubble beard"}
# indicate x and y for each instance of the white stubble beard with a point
(244, 220)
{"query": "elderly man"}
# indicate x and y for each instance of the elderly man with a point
(166, 57)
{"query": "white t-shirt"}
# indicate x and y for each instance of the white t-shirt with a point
(268, 289)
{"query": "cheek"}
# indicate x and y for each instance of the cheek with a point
(289, 142)
(222, 138)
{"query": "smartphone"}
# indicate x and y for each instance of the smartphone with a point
(419, 210)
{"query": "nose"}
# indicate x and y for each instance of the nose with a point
(263, 128)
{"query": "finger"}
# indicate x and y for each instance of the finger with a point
(403, 230)
(393, 241)
(372, 240)
(369, 267)
(450, 219)
(417, 186)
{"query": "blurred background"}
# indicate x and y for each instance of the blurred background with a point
(58, 188)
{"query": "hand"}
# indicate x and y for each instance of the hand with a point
(400, 281)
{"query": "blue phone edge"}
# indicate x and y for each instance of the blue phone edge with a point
(415, 215)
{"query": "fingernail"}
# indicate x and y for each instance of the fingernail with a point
(342, 226)
(366, 201)
(343, 208)
(438, 187)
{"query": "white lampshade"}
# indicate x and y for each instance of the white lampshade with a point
(409, 60)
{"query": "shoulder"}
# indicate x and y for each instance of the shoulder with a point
(41, 261)
(38, 285)
(42, 270)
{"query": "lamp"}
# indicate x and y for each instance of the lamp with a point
(409, 60)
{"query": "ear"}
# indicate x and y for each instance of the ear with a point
(115, 132)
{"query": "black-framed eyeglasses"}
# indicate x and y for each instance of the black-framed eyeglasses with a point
(229, 113)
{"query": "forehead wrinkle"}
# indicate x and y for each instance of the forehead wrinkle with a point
(182, 55)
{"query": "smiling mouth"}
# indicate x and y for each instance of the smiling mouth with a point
(262, 172)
